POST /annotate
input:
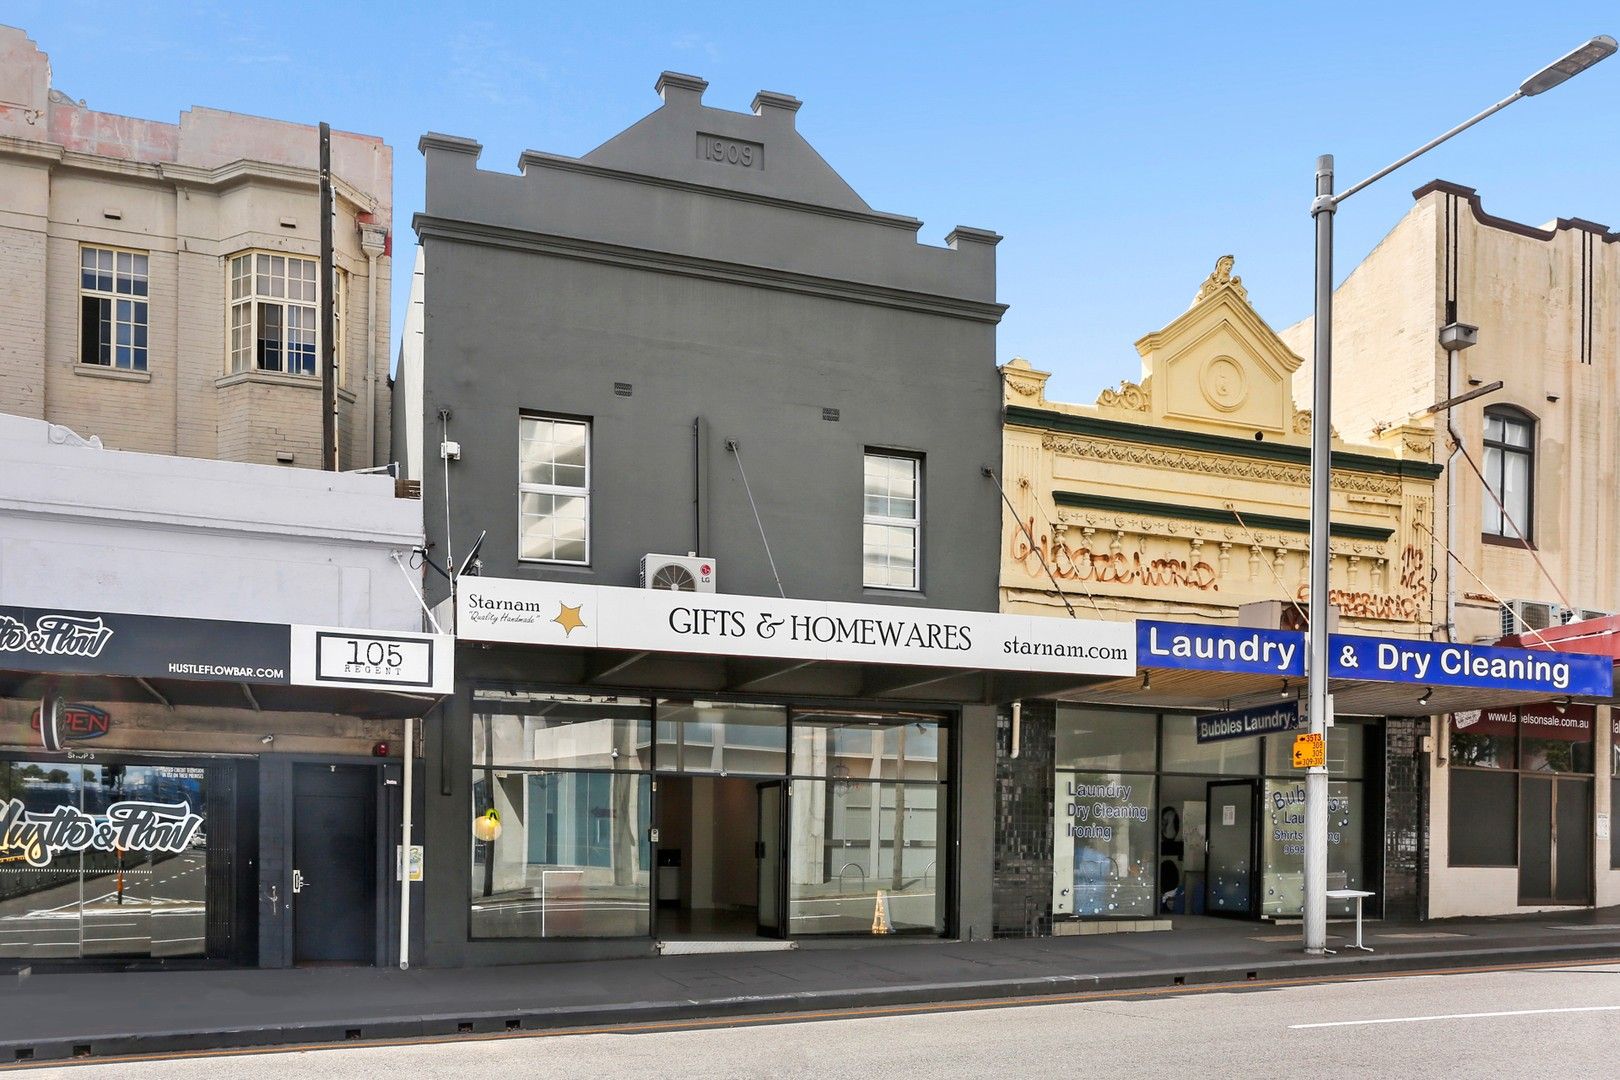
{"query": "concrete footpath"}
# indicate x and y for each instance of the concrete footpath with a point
(91, 1015)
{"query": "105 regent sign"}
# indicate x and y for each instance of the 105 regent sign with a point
(607, 617)
(216, 650)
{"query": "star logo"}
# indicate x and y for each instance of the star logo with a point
(568, 618)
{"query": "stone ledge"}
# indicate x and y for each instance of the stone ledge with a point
(279, 378)
(99, 371)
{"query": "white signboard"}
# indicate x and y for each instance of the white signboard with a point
(372, 659)
(595, 616)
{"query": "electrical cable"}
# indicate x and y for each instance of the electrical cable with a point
(731, 444)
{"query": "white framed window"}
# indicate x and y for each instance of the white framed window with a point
(113, 308)
(275, 314)
(891, 536)
(554, 489)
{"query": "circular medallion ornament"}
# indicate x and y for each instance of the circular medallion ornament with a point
(1224, 384)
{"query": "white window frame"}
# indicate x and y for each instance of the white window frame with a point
(241, 337)
(138, 277)
(913, 523)
(566, 490)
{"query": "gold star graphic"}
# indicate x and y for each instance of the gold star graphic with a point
(568, 618)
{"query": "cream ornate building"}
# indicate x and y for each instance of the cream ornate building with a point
(1535, 532)
(1547, 309)
(1183, 494)
(158, 282)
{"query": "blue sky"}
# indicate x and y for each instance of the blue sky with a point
(1119, 148)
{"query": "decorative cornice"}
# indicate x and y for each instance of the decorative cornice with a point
(1119, 430)
(572, 247)
(1132, 397)
(1471, 196)
(230, 174)
(1215, 515)
(1216, 465)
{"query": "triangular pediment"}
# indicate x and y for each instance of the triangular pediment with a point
(1219, 366)
(759, 153)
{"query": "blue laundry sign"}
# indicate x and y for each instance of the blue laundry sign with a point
(1440, 663)
(1220, 648)
(1264, 720)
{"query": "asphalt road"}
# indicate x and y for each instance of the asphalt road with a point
(1543, 1021)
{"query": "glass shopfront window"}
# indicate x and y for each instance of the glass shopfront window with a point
(1556, 739)
(1282, 844)
(1100, 741)
(102, 860)
(722, 737)
(1484, 739)
(867, 832)
(560, 852)
(1183, 753)
(858, 746)
(562, 815)
(1137, 839)
(562, 731)
(1503, 798)
(1345, 752)
(1107, 835)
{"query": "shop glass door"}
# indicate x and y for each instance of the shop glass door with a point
(1229, 884)
(867, 824)
(768, 852)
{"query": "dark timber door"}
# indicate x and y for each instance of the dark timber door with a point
(1555, 840)
(334, 863)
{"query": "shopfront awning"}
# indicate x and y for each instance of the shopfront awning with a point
(1199, 667)
(220, 663)
(1589, 637)
(712, 642)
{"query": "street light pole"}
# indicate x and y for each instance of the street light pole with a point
(1317, 617)
(1323, 207)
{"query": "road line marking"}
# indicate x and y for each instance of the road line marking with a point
(1456, 1016)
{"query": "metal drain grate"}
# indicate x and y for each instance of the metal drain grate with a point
(698, 948)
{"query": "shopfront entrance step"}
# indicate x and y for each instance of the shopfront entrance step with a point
(1111, 926)
(696, 948)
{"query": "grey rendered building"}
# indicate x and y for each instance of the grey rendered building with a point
(698, 340)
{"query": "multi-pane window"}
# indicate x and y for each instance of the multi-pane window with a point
(892, 525)
(554, 492)
(275, 313)
(112, 308)
(1509, 472)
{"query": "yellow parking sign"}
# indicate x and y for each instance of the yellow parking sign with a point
(1310, 751)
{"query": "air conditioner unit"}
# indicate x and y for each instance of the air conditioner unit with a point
(678, 573)
(1521, 616)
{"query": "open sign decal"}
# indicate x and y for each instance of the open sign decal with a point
(80, 722)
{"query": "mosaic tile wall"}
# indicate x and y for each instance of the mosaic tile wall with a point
(1406, 831)
(1025, 788)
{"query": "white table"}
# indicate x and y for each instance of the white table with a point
(1358, 896)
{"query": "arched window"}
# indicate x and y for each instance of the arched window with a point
(1510, 472)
